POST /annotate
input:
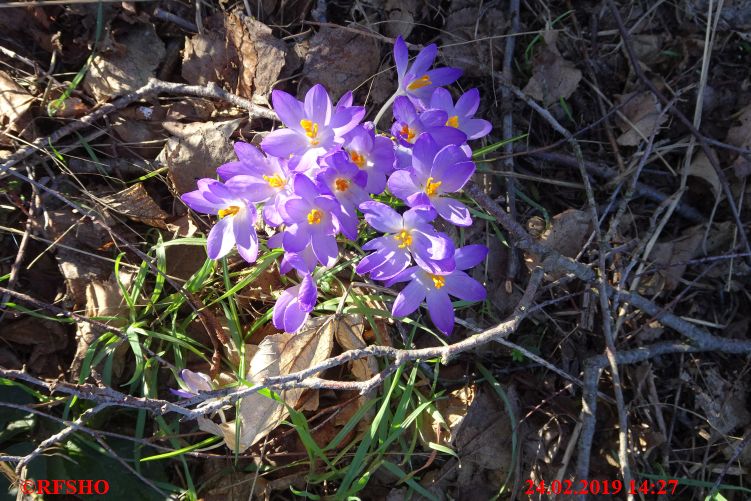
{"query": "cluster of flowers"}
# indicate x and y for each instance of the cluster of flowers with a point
(312, 177)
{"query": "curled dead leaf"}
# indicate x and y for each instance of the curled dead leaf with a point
(124, 65)
(237, 52)
(277, 355)
(642, 117)
(135, 203)
(196, 150)
(553, 76)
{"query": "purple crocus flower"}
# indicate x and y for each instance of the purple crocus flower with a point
(295, 304)
(346, 183)
(237, 217)
(418, 81)
(195, 382)
(435, 173)
(371, 153)
(314, 127)
(409, 124)
(437, 288)
(407, 236)
(461, 115)
(304, 261)
(267, 178)
(312, 219)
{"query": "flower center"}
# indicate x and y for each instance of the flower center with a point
(408, 133)
(314, 216)
(229, 211)
(453, 122)
(419, 83)
(275, 181)
(404, 238)
(357, 159)
(311, 130)
(341, 184)
(431, 187)
(438, 280)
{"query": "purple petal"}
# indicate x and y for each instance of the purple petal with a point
(296, 210)
(281, 306)
(440, 77)
(382, 217)
(404, 110)
(196, 201)
(476, 128)
(247, 152)
(453, 177)
(441, 311)
(308, 293)
(231, 169)
(318, 105)
(305, 188)
(423, 155)
(296, 237)
(284, 142)
(294, 317)
(461, 285)
(221, 239)
(245, 234)
(325, 249)
(409, 299)
(402, 185)
(468, 103)
(441, 100)
(401, 57)
(470, 256)
(424, 60)
(452, 210)
(289, 109)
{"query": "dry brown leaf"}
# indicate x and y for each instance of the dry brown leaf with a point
(567, 234)
(702, 168)
(553, 76)
(349, 335)
(137, 204)
(401, 16)
(277, 355)
(671, 258)
(740, 136)
(196, 150)
(103, 299)
(330, 59)
(15, 102)
(239, 53)
(451, 411)
(644, 117)
(467, 22)
(124, 65)
(723, 402)
(45, 337)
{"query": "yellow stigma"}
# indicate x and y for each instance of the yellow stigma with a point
(438, 280)
(404, 238)
(421, 82)
(311, 130)
(229, 211)
(357, 159)
(453, 122)
(314, 216)
(432, 186)
(408, 133)
(341, 184)
(275, 181)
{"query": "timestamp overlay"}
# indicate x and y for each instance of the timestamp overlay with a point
(601, 487)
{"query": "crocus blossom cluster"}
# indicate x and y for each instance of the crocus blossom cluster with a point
(319, 176)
